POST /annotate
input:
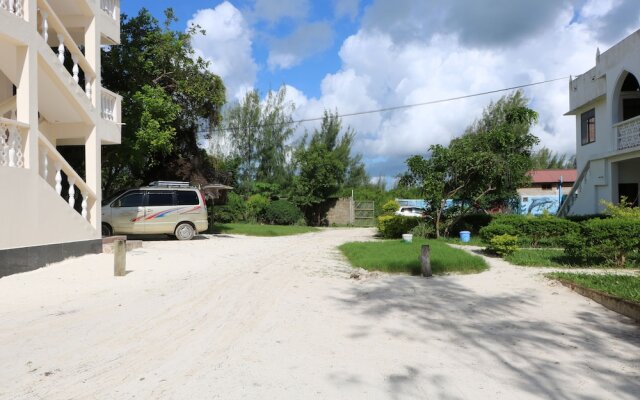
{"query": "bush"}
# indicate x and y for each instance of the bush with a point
(390, 207)
(282, 212)
(496, 229)
(234, 211)
(586, 217)
(503, 245)
(393, 226)
(471, 222)
(256, 205)
(614, 241)
(424, 230)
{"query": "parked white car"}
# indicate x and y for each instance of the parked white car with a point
(411, 212)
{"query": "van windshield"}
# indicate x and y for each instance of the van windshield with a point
(112, 198)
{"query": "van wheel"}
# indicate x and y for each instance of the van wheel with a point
(185, 231)
(106, 230)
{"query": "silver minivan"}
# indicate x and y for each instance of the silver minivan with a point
(163, 207)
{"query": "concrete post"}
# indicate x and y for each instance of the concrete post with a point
(119, 257)
(425, 261)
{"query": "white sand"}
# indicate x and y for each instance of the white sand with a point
(278, 318)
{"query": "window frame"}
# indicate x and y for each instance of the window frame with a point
(149, 193)
(117, 202)
(587, 119)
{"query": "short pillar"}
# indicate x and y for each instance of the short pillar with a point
(119, 257)
(425, 261)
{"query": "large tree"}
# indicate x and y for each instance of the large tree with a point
(168, 92)
(483, 167)
(544, 158)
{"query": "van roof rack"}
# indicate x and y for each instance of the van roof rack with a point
(176, 184)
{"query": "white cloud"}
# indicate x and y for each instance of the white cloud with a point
(346, 8)
(306, 40)
(227, 45)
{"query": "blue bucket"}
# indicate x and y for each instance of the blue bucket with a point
(465, 236)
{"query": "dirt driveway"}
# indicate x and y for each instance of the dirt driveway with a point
(234, 317)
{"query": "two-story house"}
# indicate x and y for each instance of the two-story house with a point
(51, 96)
(606, 103)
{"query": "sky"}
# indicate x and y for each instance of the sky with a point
(359, 55)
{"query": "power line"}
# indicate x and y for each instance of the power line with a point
(394, 108)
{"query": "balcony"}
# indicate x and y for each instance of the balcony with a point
(628, 134)
(15, 7)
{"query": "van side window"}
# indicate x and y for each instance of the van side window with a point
(187, 198)
(159, 198)
(133, 199)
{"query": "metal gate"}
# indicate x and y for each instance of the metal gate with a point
(364, 213)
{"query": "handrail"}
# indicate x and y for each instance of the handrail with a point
(111, 105)
(71, 45)
(12, 142)
(15, 7)
(13, 122)
(110, 7)
(68, 169)
(569, 200)
(627, 121)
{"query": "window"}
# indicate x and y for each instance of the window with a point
(159, 199)
(588, 126)
(546, 186)
(133, 199)
(187, 198)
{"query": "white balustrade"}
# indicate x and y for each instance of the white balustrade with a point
(45, 26)
(75, 70)
(108, 101)
(110, 7)
(11, 146)
(628, 133)
(45, 164)
(72, 192)
(61, 48)
(15, 7)
(85, 201)
(87, 87)
(58, 166)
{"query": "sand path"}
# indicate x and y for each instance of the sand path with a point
(232, 317)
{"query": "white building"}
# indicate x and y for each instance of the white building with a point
(51, 96)
(606, 103)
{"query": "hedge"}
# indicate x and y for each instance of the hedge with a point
(393, 226)
(541, 231)
(471, 222)
(282, 212)
(614, 241)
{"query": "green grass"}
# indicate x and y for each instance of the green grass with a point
(542, 258)
(396, 256)
(262, 230)
(475, 241)
(623, 286)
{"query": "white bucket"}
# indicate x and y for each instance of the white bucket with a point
(407, 237)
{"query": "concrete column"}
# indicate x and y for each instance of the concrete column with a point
(92, 54)
(27, 102)
(93, 173)
(31, 12)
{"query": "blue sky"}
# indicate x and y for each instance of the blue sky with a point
(355, 55)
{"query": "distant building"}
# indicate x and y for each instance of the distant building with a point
(548, 187)
(606, 103)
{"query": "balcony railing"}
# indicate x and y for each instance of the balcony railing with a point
(111, 7)
(12, 135)
(15, 7)
(111, 105)
(50, 21)
(628, 133)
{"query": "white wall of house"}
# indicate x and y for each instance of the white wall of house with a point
(603, 164)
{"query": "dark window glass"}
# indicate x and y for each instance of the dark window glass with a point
(159, 199)
(187, 198)
(133, 199)
(588, 127)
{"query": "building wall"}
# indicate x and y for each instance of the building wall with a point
(342, 213)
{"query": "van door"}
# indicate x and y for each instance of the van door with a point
(160, 212)
(127, 213)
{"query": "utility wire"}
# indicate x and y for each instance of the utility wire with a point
(405, 106)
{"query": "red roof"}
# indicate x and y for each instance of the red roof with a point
(553, 175)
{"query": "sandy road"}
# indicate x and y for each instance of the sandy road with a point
(234, 317)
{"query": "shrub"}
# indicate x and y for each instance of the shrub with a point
(503, 245)
(256, 205)
(471, 222)
(282, 212)
(233, 211)
(613, 241)
(586, 217)
(496, 229)
(622, 210)
(390, 207)
(424, 230)
(393, 226)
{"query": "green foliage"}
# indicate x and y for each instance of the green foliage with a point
(234, 211)
(614, 241)
(395, 256)
(543, 258)
(390, 207)
(425, 230)
(503, 245)
(547, 159)
(159, 76)
(483, 167)
(623, 286)
(496, 229)
(622, 210)
(470, 222)
(256, 204)
(393, 226)
(282, 212)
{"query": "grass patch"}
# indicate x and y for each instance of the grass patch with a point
(542, 258)
(474, 241)
(262, 230)
(396, 256)
(623, 286)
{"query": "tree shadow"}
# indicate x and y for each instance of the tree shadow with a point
(483, 325)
